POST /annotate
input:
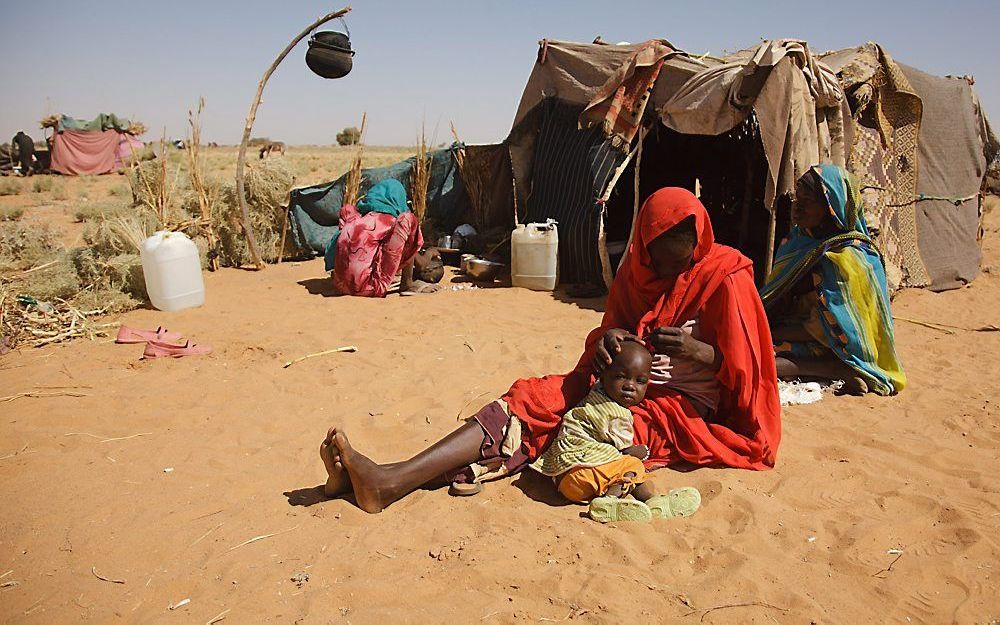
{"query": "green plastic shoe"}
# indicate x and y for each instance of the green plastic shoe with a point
(612, 509)
(679, 502)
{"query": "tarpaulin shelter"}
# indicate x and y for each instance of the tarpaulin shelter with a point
(314, 212)
(600, 127)
(90, 147)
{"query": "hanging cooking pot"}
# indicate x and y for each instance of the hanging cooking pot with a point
(330, 54)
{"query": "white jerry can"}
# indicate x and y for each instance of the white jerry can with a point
(534, 256)
(172, 269)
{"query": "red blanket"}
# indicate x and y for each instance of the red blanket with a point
(80, 153)
(719, 289)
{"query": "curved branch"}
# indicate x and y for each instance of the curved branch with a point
(242, 157)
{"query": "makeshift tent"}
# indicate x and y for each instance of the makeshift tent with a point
(314, 212)
(600, 127)
(89, 147)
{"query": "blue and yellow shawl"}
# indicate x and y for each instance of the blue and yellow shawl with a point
(850, 283)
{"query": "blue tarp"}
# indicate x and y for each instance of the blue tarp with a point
(314, 212)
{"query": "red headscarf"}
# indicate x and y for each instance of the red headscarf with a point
(718, 288)
(639, 299)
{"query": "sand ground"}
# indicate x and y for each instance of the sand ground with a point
(195, 478)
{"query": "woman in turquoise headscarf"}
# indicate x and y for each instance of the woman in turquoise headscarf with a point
(827, 295)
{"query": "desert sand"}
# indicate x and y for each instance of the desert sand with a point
(195, 479)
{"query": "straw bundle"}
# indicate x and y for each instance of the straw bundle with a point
(136, 128)
(52, 121)
(196, 171)
(474, 187)
(419, 178)
(267, 186)
(352, 187)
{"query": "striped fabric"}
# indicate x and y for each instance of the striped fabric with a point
(571, 168)
(591, 435)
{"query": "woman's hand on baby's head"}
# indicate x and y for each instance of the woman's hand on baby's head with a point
(609, 345)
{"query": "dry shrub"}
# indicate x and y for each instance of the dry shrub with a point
(58, 281)
(11, 213)
(42, 184)
(117, 278)
(163, 189)
(23, 247)
(59, 192)
(95, 211)
(10, 186)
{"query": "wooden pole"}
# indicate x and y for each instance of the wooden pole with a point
(772, 224)
(241, 159)
(635, 197)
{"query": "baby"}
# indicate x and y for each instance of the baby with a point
(592, 458)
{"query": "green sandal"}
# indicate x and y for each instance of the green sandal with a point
(611, 509)
(679, 502)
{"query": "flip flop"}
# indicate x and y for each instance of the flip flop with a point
(679, 502)
(131, 335)
(611, 509)
(461, 489)
(158, 349)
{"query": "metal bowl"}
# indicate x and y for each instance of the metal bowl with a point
(482, 269)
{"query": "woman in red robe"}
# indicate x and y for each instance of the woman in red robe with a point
(694, 302)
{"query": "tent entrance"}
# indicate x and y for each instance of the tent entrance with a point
(731, 170)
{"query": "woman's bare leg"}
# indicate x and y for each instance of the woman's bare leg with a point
(831, 368)
(376, 486)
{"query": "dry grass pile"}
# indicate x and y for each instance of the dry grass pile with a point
(50, 294)
(52, 121)
(267, 186)
(206, 208)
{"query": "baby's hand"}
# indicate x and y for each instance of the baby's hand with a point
(637, 451)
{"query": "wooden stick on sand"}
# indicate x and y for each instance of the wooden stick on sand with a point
(346, 348)
(93, 570)
(43, 394)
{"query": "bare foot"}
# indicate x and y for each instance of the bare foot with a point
(418, 287)
(338, 482)
(853, 385)
(364, 474)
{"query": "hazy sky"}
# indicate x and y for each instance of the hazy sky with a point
(431, 61)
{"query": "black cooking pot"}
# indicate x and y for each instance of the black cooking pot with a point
(329, 54)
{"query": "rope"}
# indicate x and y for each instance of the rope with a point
(923, 197)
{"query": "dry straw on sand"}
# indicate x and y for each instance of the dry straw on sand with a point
(419, 178)
(352, 186)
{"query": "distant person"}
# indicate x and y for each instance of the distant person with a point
(25, 148)
(827, 298)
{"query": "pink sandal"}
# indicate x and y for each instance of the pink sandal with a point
(159, 349)
(131, 335)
